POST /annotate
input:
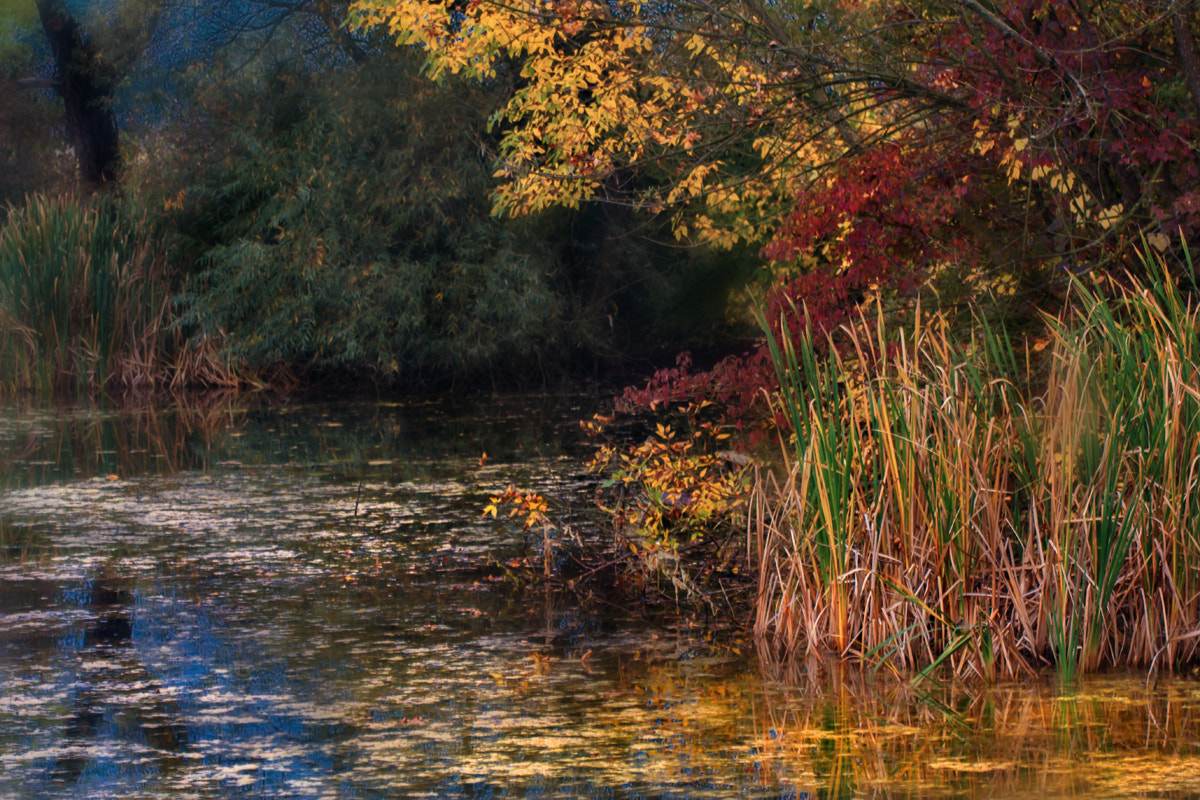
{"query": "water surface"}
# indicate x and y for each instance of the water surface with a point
(306, 602)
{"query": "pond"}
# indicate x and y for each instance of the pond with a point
(306, 602)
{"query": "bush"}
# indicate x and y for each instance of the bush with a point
(350, 234)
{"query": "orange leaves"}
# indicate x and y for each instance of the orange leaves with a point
(595, 426)
(607, 87)
(731, 114)
(530, 505)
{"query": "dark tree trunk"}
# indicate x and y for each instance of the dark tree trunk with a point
(86, 84)
(1189, 54)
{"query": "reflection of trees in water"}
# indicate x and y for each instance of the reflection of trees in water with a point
(40, 446)
(115, 694)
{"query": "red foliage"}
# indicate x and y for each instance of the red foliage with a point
(1062, 134)
(735, 384)
(1091, 91)
(1043, 88)
(884, 214)
(740, 384)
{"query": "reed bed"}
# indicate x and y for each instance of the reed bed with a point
(84, 307)
(935, 513)
(82, 299)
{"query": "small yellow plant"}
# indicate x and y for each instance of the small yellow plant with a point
(530, 505)
(674, 487)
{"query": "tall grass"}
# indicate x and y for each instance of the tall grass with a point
(84, 304)
(936, 513)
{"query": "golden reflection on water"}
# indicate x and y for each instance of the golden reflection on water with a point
(320, 626)
(705, 728)
(1113, 736)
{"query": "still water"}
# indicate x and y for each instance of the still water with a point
(305, 602)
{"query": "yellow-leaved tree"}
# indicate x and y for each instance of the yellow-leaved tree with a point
(884, 139)
(695, 109)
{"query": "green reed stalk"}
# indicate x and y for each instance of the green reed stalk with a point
(82, 299)
(936, 513)
(825, 449)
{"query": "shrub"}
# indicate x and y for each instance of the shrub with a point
(349, 234)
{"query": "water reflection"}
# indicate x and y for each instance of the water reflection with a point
(133, 707)
(304, 603)
(40, 445)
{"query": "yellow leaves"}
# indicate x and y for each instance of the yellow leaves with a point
(692, 185)
(1158, 240)
(984, 142)
(1110, 216)
(1079, 200)
(452, 46)
(1062, 183)
(623, 95)
(677, 487)
(696, 44)
(1011, 164)
(530, 505)
(595, 426)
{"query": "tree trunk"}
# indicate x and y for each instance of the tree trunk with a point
(1185, 44)
(86, 84)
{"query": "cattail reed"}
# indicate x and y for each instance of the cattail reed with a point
(936, 512)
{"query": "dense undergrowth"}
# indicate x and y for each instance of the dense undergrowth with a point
(347, 235)
(332, 228)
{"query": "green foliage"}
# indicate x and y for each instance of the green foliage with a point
(32, 147)
(349, 233)
(82, 299)
(14, 17)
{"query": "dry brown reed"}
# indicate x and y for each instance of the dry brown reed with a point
(84, 307)
(933, 514)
